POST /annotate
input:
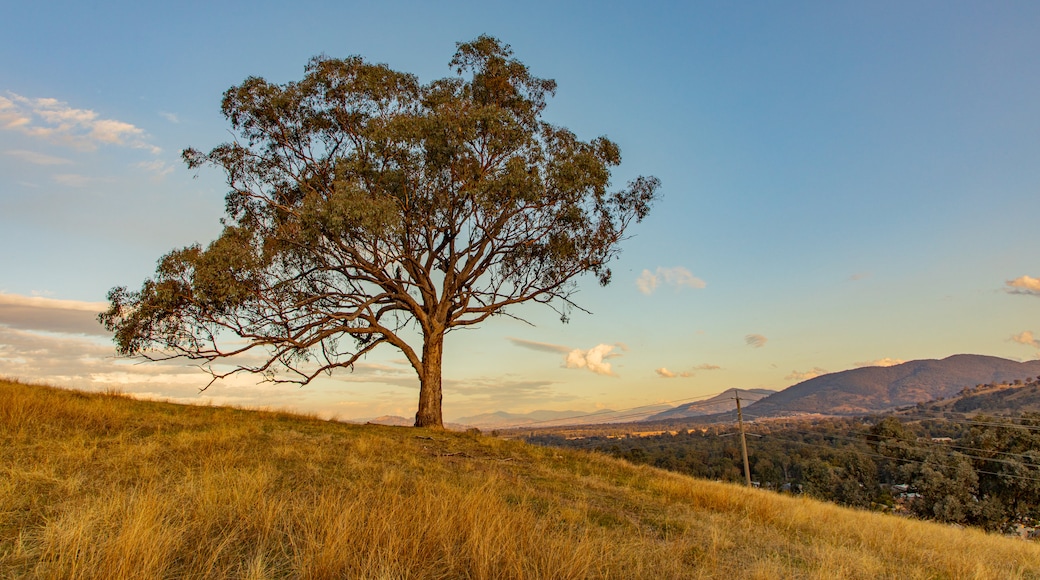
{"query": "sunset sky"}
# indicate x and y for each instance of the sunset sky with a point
(843, 184)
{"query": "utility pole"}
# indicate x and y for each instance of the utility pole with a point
(743, 440)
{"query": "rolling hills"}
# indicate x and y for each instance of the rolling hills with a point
(874, 389)
(104, 486)
(721, 403)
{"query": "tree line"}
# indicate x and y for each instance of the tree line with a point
(982, 472)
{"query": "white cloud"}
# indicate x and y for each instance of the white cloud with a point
(859, 276)
(593, 359)
(678, 277)
(169, 117)
(647, 282)
(36, 158)
(1023, 285)
(56, 122)
(1026, 337)
(806, 375)
(881, 362)
(755, 340)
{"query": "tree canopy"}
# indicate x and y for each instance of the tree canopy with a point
(363, 203)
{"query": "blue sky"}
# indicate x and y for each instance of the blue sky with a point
(842, 183)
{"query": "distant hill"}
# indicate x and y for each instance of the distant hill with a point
(1007, 399)
(721, 403)
(502, 419)
(872, 389)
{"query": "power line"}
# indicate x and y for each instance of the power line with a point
(902, 459)
(939, 447)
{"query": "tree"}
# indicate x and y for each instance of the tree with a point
(366, 208)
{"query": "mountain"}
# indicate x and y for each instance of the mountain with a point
(720, 403)
(871, 389)
(1002, 400)
(1007, 399)
(502, 419)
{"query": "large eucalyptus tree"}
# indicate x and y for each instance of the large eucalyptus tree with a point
(363, 203)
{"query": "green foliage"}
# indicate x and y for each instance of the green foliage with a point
(986, 475)
(362, 202)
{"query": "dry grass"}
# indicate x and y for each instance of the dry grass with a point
(103, 486)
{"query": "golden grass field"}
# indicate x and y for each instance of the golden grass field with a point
(105, 486)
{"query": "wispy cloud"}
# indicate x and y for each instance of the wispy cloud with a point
(1026, 337)
(678, 277)
(540, 346)
(156, 167)
(56, 122)
(859, 276)
(169, 117)
(805, 375)
(755, 340)
(1023, 285)
(72, 179)
(667, 374)
(881, 362)
(36, 158)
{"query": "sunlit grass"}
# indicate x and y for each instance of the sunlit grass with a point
(103, 486)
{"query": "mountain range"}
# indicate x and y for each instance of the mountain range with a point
(873, 389)
(721, 403)
(857, 391)
(502, 419)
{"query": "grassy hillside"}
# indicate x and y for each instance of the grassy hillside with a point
(103, 486)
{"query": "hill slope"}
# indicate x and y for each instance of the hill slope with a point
(721, 403)
(871, 389)
(98, 486)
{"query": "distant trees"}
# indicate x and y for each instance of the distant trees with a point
(986, 475)
(367, 209)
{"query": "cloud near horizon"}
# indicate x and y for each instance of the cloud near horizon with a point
(1026, 337)
(663, 372)
(1023, 285)
(56, 122)
(755, 340)
(881, 362)
(667, 374)
(37, 313)
(805, 375)
(678, 277)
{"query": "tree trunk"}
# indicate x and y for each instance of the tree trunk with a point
(429, 414)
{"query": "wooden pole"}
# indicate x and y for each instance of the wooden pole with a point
(743, 442)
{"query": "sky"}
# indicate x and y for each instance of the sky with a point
(843, 184)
